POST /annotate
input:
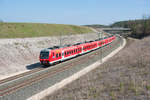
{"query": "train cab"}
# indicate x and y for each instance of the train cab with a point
(44, 56)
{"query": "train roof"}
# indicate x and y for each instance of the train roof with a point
(45, 50)
(74, 45)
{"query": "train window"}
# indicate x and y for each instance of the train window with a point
(57, 55)
(53, 55)
(74, 50)
(65, 53)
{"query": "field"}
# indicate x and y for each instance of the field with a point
(23, 30)
(126, 76)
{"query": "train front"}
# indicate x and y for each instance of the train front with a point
(45, 57)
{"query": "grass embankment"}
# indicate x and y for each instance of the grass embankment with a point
(126, 76)
(22, 30)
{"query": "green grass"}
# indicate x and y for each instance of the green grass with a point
(148, 87)
(22, 30)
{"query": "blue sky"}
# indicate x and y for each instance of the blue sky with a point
(78, 12)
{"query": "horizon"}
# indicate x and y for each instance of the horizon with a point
(72, 12)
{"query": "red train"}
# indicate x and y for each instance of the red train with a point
(55, 54)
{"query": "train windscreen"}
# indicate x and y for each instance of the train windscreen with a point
(44, 55)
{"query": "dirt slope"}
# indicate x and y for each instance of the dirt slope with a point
(19, 54)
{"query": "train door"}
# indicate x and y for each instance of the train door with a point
(62, 54)
(82, 49)
(53, 56)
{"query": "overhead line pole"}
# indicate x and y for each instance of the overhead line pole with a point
(101, 54)
(60, 39)
(100, 36)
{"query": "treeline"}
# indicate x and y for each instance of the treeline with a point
(139, 28)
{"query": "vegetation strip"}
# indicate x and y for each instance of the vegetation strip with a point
(24, 30)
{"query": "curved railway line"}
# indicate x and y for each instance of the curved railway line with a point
(16, 86)
(14, 83)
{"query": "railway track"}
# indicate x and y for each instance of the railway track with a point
(20, 75)
(31, 80)
(12, 84)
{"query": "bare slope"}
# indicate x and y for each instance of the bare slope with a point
(19, 54)
(22, 30)
(124, 77)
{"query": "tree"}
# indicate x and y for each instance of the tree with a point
(145, 25)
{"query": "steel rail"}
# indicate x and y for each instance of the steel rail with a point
(20, 75)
